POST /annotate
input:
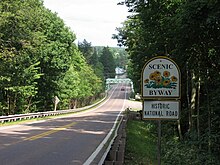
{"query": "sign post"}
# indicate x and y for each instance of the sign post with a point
(159, 143)
(161, 92)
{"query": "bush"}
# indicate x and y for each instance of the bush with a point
(187, 153)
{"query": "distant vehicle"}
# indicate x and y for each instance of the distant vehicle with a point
(122, 89)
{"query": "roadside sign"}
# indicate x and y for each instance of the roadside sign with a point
(161, 109)
(160, 87)
(56, 101)
(160, 79)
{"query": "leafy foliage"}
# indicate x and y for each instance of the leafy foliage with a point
(39, 60)
(188, 32)
(108, 63)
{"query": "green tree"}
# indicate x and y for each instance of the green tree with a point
(69, 89)
(19, 69)
(188, 32)
(91, 56)
(97, 65)
(37, 59)
(108, 63)
(55, 51)
(87, 50)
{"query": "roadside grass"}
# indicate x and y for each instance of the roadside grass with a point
(141, 143)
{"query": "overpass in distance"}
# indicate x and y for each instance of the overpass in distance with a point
(110, 81)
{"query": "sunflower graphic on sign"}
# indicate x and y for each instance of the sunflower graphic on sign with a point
(161, 80)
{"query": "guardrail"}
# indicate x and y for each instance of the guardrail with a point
(115, 151)
(114, 138)
(17, 117)
(114, 144)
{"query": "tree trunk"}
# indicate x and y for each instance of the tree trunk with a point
(72, 104)
(188, 97)
(192, 103)
(75, 104)
(179, 130)
(198, 103)
(209, 114)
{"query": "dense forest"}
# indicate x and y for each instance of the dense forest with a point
(189, 33)
(39, 60)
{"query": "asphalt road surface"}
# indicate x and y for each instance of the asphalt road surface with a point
(69, 140)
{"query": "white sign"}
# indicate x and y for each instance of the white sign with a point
(56, 100)
(161, 110)
(160, 79)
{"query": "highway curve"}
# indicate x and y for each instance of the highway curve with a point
(65, 140)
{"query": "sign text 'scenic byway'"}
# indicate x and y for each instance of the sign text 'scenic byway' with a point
(161, 89)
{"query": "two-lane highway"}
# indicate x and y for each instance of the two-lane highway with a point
(64, 140)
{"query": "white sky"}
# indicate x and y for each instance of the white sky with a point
(93, 20)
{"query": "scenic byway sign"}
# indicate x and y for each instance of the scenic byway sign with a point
(160, 79)
(161, 89)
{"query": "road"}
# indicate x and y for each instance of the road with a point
(69, 140)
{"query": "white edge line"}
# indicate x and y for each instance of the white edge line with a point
(99, 148)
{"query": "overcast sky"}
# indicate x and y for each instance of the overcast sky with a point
(93, 20)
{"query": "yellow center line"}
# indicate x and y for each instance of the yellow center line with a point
(50, 132)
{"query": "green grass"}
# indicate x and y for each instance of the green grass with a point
(141, 143)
